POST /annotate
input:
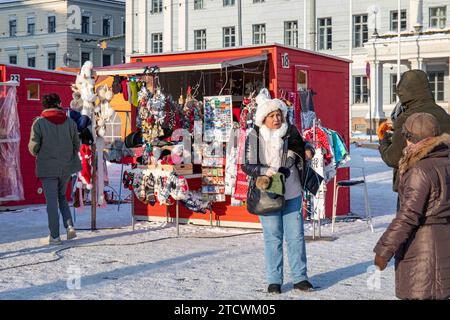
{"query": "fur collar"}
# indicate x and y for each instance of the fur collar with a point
(273, 145)
(415, 153)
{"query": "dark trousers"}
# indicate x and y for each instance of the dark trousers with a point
(55, 195)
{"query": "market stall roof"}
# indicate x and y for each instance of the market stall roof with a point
(178, 65)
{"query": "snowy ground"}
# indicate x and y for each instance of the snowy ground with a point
(204, 263)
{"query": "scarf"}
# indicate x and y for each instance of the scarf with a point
(272, 141)
(56, 116)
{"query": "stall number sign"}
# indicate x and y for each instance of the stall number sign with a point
(15, 77)
(285, 60)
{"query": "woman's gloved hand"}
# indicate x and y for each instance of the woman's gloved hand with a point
(384, 128)
(285, 171)
(380, 262)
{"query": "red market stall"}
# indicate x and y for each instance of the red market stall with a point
(33, 85)
(286, 72)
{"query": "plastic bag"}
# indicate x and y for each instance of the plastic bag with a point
(11, 183)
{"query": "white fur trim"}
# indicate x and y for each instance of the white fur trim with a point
(268, 106)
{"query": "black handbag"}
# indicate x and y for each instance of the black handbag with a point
(260, 202)
(312, 180)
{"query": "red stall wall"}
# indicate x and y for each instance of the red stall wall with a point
(329, 79)
(49, 82)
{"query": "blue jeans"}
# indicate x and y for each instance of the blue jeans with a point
(288, 224)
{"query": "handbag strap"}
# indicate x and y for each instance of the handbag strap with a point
(285, 152)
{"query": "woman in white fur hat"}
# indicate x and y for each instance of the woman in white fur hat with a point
(270, 132)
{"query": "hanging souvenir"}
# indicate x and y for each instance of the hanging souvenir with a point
(218, 118)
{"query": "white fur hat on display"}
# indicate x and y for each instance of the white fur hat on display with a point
(266, 106)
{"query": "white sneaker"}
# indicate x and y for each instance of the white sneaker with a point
(51, 241)
(71, 234)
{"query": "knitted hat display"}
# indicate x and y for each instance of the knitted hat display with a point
(194, 202)
(83, 89)
(117, 85)
(181, 188)
(139, 187)
(150, 190)
(81, 120)
(86, 137)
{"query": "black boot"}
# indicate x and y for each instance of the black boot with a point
(274, 288)
(304, 285)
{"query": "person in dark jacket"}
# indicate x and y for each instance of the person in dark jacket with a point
(415, 96)
(268, 136)
(419, 236)
(55, 143)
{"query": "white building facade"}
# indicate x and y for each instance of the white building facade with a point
(363, 31)
(48, 34)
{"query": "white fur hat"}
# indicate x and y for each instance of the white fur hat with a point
(266, 106)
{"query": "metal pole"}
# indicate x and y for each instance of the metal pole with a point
(121, 169)
(210, 217)
(94, 189)
(370, 108)
(304, 24)
(350, 54)
(178, 222)
(398, 41)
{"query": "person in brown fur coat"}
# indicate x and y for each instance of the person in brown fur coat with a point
(419, 236)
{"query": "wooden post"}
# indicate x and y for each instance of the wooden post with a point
(94, 189)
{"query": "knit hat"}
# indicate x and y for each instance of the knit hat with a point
(420, 126)
(267, 106)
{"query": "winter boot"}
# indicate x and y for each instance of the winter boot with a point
(51, 241)
(71, 233)
(304, 285)
(274, 288)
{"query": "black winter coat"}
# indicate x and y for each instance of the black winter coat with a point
(415, 95)
(252, 165)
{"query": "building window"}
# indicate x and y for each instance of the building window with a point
(325, 34)
(124, 26)
(51, 58)
(438, 17)
(229, 37)
(106, 60)
(360, 93)
(259, 33)
(437, 85)
(106, 27)
(12, 28)
(12, 59)
(51, 24)
(113, 129)
(157, 42)
(258, 1)
(33, 91)
(291, 33)
(85, 25)
(360, 30)
(227, 3)
(32, 61)
(157, 6)
(31, 25)
(394, 20)
(85, 56)
(393, 88)
(200, 39)
(198, 4)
